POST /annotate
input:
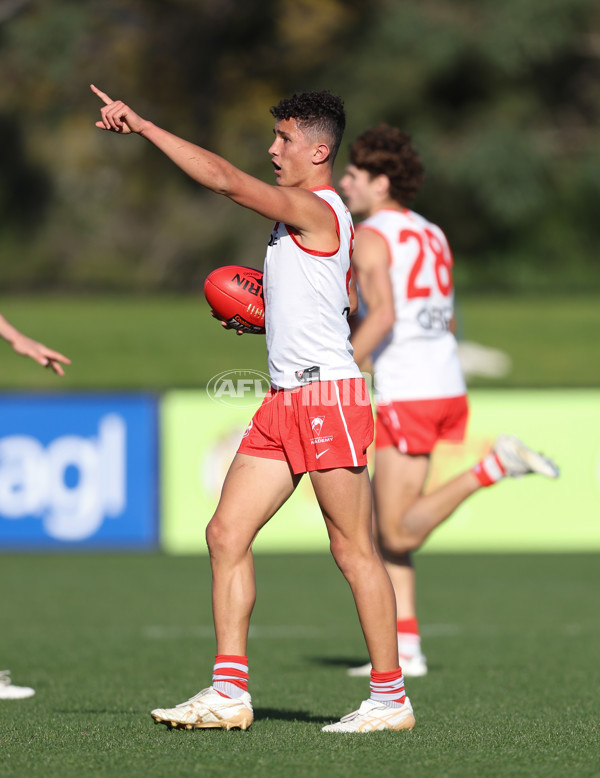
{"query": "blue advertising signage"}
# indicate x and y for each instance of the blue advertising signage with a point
(78, 471)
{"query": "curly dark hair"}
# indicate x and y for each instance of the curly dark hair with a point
(316, 112)
(389, 151)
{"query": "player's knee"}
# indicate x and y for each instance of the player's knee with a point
(338, 550)
(219, 538)
(212, 536)
(397, 544)
(349, 556)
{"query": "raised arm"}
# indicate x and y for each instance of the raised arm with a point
(292, 205)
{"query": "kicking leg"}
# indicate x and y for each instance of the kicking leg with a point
(405, 516)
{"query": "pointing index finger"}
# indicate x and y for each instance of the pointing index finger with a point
(102, 95)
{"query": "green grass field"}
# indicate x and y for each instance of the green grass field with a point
(512, 641)
(164, 342)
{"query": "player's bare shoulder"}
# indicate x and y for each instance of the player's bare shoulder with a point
(314, 221)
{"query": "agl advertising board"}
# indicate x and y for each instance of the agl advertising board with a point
(78, 471)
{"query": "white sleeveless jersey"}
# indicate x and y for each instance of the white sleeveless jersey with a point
(306, 305)
(418, 360)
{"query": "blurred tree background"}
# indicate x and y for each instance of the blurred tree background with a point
(502, 99)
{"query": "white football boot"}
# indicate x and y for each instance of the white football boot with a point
(208, 710)
(8, 691)
(412, 667)
(374, 716)
(518, 459)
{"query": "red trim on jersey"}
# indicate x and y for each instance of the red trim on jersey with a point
(381, 235)
(314, 252)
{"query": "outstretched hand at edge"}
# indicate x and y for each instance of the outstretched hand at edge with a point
(116, 116)
(44, 356)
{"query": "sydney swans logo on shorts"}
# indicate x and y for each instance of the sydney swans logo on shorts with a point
(238, 388)
(316, 425)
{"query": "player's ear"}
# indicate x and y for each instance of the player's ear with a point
(382, 184)
(321, 153)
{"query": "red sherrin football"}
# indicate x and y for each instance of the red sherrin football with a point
(235, 293)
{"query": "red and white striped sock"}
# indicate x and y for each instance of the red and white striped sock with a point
(489, 470)
(388, 688)
(409, 639)
(230, 675)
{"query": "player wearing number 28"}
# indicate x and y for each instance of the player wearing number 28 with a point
(403, 266)
(316, 419)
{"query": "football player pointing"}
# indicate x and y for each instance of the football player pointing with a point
(316, 419)
(404, 273)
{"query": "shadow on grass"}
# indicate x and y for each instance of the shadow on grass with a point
(353, 661)
(278, 714)
(261, 714)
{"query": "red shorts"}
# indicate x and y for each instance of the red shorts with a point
(415, 426)
(319, 426)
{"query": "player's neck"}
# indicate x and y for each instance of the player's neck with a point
(319, 178)
(312, 183)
